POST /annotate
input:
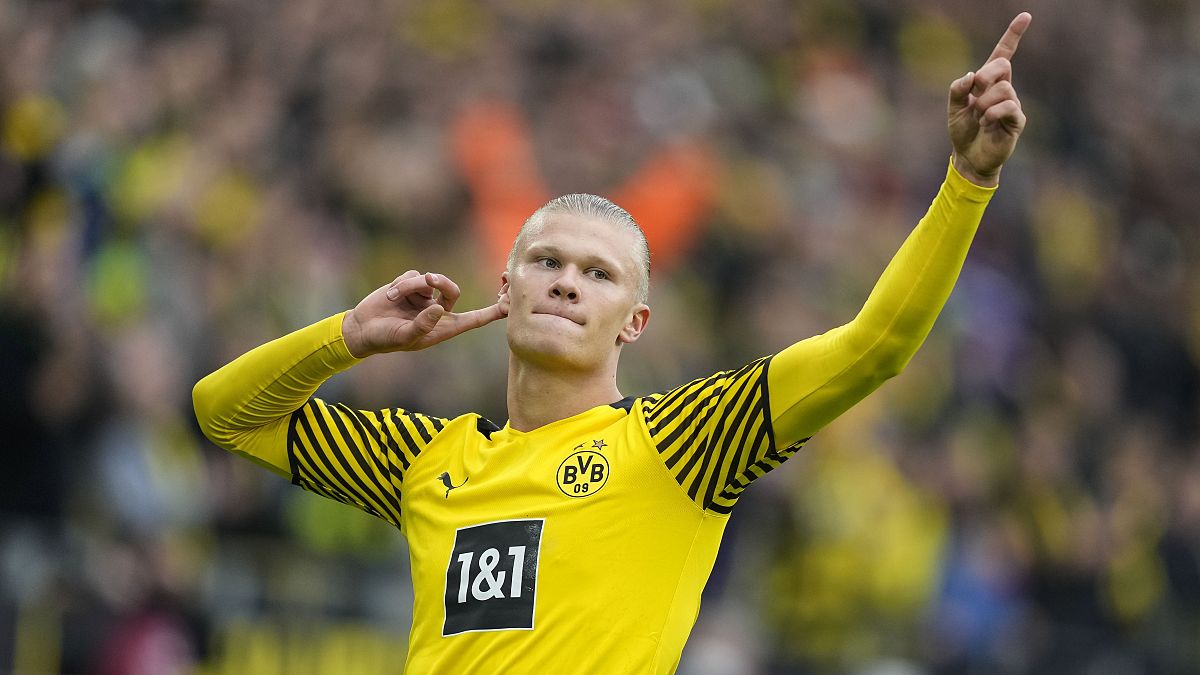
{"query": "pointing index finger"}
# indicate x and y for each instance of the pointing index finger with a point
(1007, 46)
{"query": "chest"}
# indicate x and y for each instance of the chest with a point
(574, 471)
(493, 524)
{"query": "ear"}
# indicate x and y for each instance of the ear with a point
(637, 322)
(502, 298)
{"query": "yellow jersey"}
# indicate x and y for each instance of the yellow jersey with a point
(583, 545)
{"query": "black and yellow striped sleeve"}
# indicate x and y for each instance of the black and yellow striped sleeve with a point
(357, 457)
(715, 434)
(261, 406)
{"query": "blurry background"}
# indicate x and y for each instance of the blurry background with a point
(181, 180)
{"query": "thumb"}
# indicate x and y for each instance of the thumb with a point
(960, 91)
(427, 320)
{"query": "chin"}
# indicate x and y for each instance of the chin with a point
(550, 349)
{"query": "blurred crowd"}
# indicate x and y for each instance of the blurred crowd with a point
(181, 180)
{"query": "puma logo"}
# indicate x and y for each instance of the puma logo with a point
(445, 478)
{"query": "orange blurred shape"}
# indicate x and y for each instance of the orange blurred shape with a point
(669, 194)
(492, 148)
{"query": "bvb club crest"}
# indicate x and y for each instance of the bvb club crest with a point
(584, 471)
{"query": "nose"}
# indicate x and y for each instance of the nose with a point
(565, 286)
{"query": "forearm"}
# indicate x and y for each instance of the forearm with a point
(245, 405)
(901, 310)
(814, 381)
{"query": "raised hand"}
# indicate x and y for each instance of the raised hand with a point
(413, 312)
(984, 114)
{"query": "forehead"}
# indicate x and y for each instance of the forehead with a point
(583, 236)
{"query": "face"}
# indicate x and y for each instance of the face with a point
(571, 294)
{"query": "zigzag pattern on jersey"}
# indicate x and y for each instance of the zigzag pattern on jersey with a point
(714, 434)
(357, 457)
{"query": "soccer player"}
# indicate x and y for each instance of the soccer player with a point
(578, 536)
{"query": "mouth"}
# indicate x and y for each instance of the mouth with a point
(561, 315)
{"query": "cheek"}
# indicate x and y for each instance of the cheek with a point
(522, 287)
(615, 320)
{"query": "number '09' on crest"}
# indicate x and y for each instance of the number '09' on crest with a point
(583, 473)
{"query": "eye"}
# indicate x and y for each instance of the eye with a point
(549, 263)
(598, 274)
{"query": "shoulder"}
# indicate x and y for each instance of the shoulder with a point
(465, 424)
(719, 382)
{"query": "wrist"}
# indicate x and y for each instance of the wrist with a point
(352, 336)
(964, 169)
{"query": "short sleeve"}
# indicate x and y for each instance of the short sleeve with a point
(357, 457)
(714, 434)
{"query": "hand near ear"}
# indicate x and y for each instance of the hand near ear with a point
(413, 312)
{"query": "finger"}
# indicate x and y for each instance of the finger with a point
(466, 321)
(407, 286)
(407, 275)
(960, 92)
(446, 287)
(1001, 91)
(1007, 113)
(1007, 46)
(999, 70)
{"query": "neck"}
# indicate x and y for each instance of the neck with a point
(538, 396)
